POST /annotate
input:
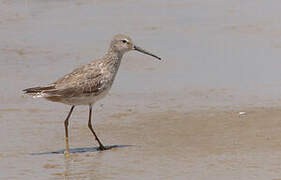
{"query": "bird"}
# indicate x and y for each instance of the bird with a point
(89, 83)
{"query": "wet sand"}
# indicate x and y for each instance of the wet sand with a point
(178, 119)
(204, 144)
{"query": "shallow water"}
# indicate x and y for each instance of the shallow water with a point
(219, 58)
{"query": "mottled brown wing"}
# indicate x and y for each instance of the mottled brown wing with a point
(87, 79)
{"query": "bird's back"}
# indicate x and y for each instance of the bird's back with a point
(82, 86)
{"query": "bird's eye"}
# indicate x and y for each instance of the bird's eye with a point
(124, 41)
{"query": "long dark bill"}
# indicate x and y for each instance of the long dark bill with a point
(145, 52)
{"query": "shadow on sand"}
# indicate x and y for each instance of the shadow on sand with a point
(82, 150)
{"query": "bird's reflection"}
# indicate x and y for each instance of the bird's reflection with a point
(82, 150)
(67, 161)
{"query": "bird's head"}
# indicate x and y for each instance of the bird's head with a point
(122, 43)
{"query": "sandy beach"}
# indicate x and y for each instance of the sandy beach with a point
(206, 144)
(210, 110)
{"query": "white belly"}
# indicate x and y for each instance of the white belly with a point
(85, 100)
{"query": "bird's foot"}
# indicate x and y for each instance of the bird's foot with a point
(102, 148)
(66, 153)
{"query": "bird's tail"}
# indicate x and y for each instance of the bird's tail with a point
(38, 91)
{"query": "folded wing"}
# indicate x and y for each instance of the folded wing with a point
(85, 80)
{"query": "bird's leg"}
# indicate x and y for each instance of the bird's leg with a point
(66, 131)
(101, 148)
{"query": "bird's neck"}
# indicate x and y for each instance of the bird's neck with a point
(112, 60)
(114, 55)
